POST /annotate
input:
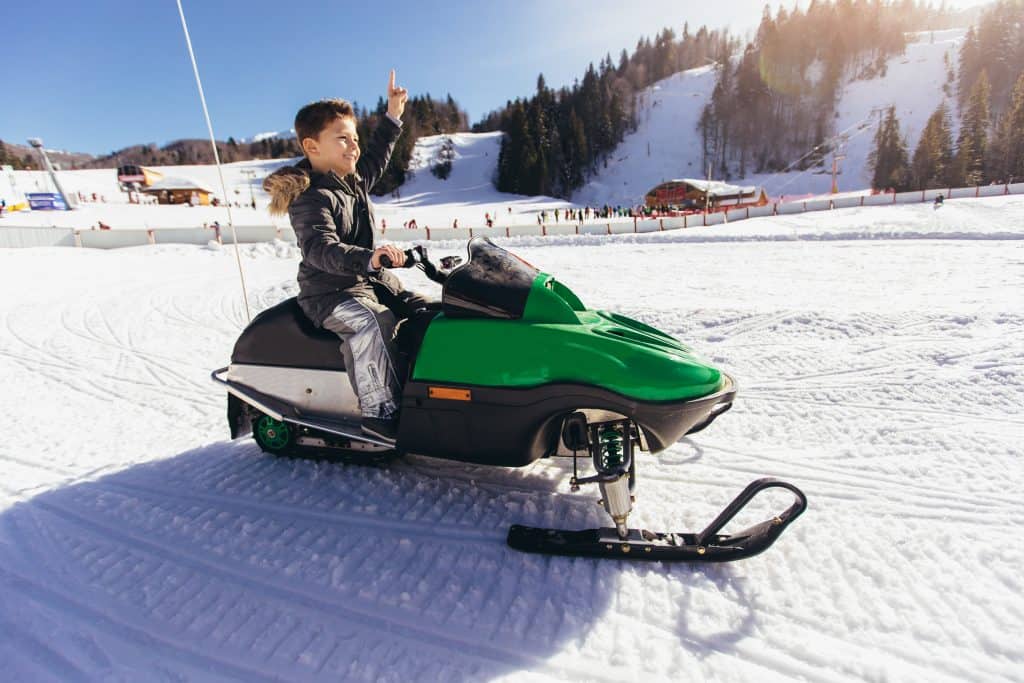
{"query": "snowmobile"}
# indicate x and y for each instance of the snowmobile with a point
(510, 367)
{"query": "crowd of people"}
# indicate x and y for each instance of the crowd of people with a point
(586, 213)
(566, 214)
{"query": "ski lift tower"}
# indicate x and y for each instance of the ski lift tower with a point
(250, 174)
(836, 158)
(38, 144)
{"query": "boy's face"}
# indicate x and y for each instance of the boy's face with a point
(336, 148)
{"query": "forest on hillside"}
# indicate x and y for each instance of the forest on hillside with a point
(774, 103)
(557, 139)
(774, 97)
(989, 101)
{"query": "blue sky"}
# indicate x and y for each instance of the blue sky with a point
(101, 75)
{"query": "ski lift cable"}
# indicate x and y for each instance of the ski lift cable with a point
(804, 172)
(817, 147)
(216, 158)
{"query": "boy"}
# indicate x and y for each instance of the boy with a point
(342, 284)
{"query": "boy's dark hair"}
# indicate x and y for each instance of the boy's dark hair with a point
(316, 116)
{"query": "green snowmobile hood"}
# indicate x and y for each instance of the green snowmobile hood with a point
(558, 340)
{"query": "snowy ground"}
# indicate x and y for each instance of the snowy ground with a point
(468, 194)
(880, 373)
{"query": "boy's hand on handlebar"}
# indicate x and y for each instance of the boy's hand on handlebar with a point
(394, 254)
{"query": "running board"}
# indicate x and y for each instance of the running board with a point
(279, 410)
(707, 546)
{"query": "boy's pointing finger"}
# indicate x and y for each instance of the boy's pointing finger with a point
(391, 81)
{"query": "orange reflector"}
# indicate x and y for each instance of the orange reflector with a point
(449, 393)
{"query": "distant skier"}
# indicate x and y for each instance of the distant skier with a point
(938, 201)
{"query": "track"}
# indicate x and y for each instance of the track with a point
(136, 542)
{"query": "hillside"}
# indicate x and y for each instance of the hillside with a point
(667, 145)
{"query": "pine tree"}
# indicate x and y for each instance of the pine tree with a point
(972, 142)
(933, 159)
(889, 158)
(580, 152)
(970, 66)
(1010, 140)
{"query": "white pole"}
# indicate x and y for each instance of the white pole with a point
(216, 158)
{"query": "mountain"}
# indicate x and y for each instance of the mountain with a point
(23, 156)
(667, 143)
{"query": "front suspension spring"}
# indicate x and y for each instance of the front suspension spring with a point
(611, 444)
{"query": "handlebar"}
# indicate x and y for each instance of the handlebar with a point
(417, 257)
(385, 260)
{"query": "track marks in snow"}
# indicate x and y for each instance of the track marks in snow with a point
(221, 562)
(126, 546)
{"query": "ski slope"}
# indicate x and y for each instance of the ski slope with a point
(667, 143)
(879, 354)
(467, 196)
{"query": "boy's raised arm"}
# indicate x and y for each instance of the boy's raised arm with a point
(374, 160)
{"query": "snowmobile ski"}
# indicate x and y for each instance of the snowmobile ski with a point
(706, 546)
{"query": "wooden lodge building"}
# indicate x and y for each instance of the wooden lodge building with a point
(696, 194)
(178, 191)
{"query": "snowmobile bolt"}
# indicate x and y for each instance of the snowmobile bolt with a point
(625, 548)
(609, 546)
(701, 550)
(309, 390)
(647, 550)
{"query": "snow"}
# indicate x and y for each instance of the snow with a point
(467, 196)
(270, 135)
(879, 355)
(243, 180)
(667, 142)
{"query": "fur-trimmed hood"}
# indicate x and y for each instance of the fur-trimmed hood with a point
(285, 185)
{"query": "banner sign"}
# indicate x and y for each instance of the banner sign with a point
(45, 201)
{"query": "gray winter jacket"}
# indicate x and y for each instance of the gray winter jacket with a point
(333, 221)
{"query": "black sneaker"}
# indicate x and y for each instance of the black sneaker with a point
(383, 429)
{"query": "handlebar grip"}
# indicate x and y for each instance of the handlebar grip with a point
(410, 261)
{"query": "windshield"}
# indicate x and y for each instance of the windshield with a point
(493, 283)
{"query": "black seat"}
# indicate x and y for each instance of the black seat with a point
(283, 336)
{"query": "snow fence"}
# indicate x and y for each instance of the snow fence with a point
(15, 237)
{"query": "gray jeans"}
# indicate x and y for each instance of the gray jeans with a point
(367, 329)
